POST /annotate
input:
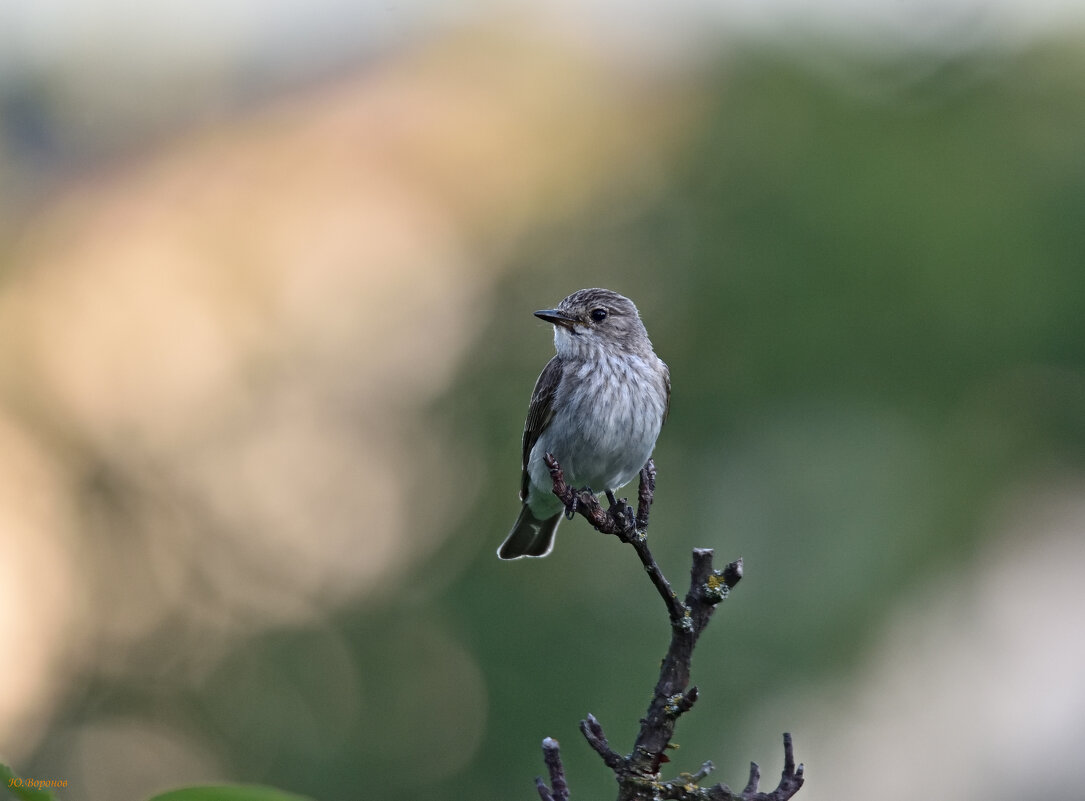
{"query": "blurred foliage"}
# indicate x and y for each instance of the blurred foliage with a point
(873, 306)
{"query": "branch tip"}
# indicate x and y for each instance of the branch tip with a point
(755, 779)
(789, 753)
(597, 739)
(544, 791)
(559, 789)
(792, 777)
(706, 768)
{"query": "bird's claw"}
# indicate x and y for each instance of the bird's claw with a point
(570, 508)
(573, 505)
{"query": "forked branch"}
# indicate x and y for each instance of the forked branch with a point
(638, 773)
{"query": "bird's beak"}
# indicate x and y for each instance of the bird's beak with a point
(556, 317)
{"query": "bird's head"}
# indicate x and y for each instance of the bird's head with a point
(596, 319)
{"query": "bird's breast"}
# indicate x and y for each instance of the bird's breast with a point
(606, 419)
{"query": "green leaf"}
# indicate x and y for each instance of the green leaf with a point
(230, 792)
(18, 787)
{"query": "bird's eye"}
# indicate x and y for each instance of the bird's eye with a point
(599, 315)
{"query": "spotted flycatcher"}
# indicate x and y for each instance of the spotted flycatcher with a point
(597, 407)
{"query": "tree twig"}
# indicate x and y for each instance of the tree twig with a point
(593, 733)
(620, 521)
(558, 789)
(638, 773)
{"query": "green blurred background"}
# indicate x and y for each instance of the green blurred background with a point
(266, 347)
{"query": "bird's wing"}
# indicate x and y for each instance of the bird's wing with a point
(539, 413)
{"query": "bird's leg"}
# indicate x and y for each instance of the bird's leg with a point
(574, 504)
(611, 498)
(570, 508)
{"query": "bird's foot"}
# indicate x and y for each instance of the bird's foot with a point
(585, 495)
(571, 506)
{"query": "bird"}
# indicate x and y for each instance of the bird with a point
(598, 407)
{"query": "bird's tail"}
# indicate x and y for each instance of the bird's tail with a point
(530, 536)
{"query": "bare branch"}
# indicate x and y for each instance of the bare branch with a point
(646, 493)
(544, 791)
(623, 524)
(638, 773)
(593, 733)
(792, 777)
(558, 789)
(755, 779)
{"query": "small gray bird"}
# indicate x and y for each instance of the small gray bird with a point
(597, 406)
